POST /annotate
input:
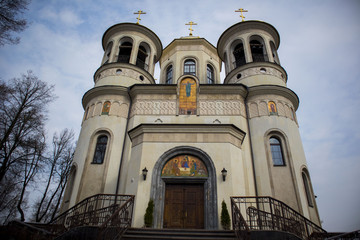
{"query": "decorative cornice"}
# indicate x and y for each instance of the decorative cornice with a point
(116, 65)
(255, 65)
(152, 89)
(203, 88)
(275, 90)
(103, 90)
(168, 130)
(223, 89)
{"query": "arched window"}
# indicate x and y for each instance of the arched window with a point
(190, 67)
(108, 52)
(257, 51)
(307, 188)
(169, 74)
(210, 74)
(274, 53)
(239, 55)
(276, 152)
(100, 149)
(141, 60)
(125, 52)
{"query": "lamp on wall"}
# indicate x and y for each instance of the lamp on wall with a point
(224, 173)
(144, 172)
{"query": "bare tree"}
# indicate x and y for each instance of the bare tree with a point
(23, 111)
(59, 163)
(22, 118)
(10, 21)
(32, 160)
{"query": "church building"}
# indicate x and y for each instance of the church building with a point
(191, 140)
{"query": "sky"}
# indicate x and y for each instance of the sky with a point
(318, 48)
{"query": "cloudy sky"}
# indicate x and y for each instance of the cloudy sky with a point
(319, 49)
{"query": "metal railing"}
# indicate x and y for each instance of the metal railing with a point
(239, 63)
(115, 226)
(142, 64)
(240, 226)
(99, 210)
(267, 213)
(343, 236)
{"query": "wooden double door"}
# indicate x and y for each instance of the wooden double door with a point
(184, 206)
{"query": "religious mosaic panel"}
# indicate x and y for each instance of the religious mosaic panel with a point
(272, 108)
(184, 166)
(106, 108)
(187, 96)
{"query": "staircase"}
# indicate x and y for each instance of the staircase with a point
(147, 233)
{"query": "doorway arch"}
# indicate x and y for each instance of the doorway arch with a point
(158, 185)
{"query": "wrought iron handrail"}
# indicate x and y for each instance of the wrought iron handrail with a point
(267, 213)
(92, 211)
(115, 226)
(348, 235)
(239, 224)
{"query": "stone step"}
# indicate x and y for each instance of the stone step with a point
(147, 233)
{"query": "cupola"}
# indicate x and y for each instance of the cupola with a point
(249, 51)
(130, 54)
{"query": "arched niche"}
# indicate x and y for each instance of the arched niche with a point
(159, 181)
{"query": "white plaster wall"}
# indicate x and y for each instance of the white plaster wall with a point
(259, 126)
(117, 127)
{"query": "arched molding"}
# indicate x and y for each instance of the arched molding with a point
(274, 52)
(197, 66)
(108, 52)
(89, 158)
(235, 42)
(214, 72)
(164, 72)
(261, 40)
(288, 161)
(281, 136)
(69, 188)
(307, 186)
(158, 184)
(148, 52)
(93, 139)
(122, 40)
(263, 108)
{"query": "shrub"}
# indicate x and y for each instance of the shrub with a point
(225, 217)
(148, 217)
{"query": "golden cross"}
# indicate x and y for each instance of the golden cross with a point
(191, 24)
(241, 10)
(138, 18)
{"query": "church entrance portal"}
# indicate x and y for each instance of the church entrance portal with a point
(184, 206)
(184, 190)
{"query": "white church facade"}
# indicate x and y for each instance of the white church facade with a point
(192, 140)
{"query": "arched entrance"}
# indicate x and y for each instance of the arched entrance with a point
(184, 190)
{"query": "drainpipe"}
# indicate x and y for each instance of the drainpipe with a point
(123, 147)
(250, 142)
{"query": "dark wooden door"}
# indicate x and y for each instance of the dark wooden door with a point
(184, 206)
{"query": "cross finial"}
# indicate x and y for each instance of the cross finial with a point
(138, 18)
(191, 24)
(241, 10)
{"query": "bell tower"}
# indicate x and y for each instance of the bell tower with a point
(130, 53)
(249, 51)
